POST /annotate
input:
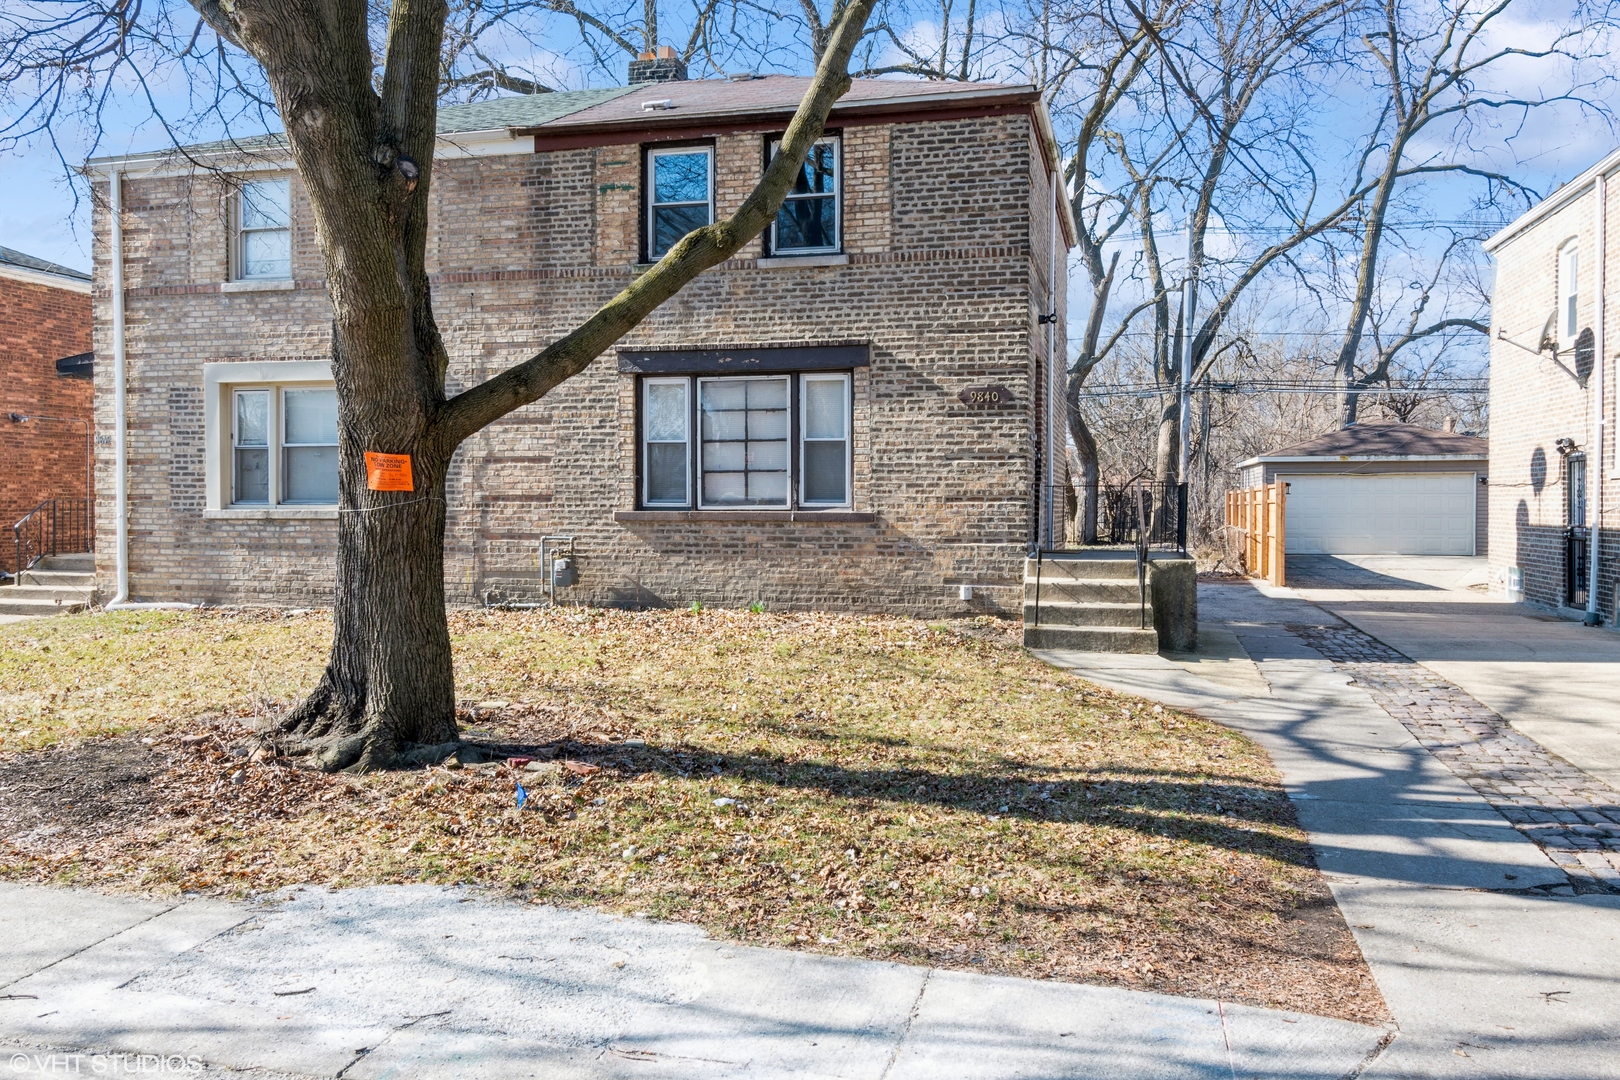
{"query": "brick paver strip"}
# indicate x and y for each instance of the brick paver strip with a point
(1573, 817)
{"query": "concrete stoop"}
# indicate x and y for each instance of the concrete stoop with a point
(1088, 601)
(56, 585)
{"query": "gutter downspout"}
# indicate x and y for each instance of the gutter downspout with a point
(120, 600)
(1600, 394)
(1054, 393)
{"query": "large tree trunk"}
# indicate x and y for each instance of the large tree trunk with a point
(364, 148)
(1085, 448)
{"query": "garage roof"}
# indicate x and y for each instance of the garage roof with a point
(1390, 442)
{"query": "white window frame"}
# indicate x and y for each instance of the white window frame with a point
(787, 441)
(685, 382)
(797, 382)
(220, 383)
(239, 234)
(848, 440)
(1569, 293)
(653, 154)
(837, 143)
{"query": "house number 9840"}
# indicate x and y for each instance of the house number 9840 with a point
(983, 397)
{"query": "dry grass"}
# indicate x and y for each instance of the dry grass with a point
(872, 786)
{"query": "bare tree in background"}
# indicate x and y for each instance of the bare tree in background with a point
(1432, 62)
(359, 117)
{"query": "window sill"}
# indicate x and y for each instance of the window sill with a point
(790, 262)
(269, 513)
(272, 285)
(740, 517)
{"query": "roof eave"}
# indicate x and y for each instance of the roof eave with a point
(1022, 94)
(1267, 459)
(1554, 202)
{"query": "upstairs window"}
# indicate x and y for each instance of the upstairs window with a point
(262, 246)
(680, 195)
(808, 223)
(1569, 294)
(284, 446)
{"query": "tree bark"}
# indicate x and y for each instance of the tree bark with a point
(1085, 448)
(364, 150)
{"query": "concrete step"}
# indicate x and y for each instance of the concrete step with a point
(1118, 639)
(53, 593)
(27, 601)
(73, 578)
(1102, 590)
(83, 562)
(1063, 613)
(1107, 565)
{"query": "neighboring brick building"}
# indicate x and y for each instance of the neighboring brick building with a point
(45, 377)
(1551, 387)
(889, 446)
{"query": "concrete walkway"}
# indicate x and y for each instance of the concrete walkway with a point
(1551, 678)
(423, 982)
(1491, 963)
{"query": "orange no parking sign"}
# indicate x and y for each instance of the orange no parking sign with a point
(388, 472)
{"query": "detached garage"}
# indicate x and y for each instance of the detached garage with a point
(1380, 489)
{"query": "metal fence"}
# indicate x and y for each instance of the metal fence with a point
(1144, 512)
(54, 527)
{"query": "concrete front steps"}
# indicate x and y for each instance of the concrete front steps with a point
(55, 585)
(1090, 602)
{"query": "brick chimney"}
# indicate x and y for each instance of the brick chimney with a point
(657, 67)
(1451, 424)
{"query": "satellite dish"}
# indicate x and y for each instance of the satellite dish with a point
(1549, 334)
(1585, 355)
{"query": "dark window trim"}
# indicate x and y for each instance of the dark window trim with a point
(770, 359)
(643, 245)
(767, 250)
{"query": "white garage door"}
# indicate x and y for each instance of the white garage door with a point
(1396, 514)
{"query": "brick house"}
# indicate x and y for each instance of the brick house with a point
(856, 412)
(45, 392)
(1553, 471)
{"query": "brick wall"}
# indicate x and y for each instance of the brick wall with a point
(941, 279)
(40, 324)
(1535, 401)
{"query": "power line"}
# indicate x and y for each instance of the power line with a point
(1283, 386)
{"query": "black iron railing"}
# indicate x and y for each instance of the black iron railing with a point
(1577, 549)
(54, 527)
(1143, 513)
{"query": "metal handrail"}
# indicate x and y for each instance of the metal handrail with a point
(47, 525)
(1141, 557)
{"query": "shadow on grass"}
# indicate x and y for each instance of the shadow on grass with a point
(1219, 811)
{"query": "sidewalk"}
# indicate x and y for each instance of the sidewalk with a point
(1490, 961)
(424, 982)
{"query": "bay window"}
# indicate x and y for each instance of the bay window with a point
(761, 441)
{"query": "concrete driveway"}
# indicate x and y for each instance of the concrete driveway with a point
(1553, 679)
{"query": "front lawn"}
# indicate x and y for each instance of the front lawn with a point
(880, 787)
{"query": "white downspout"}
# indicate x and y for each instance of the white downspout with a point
(1055, 439)
(120, 600)
(1600, 394)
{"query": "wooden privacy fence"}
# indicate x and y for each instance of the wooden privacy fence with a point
(1254, 523)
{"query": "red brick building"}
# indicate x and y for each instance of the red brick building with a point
(45, 389)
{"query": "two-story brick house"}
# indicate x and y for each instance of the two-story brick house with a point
(856, 412)
(1554, 474)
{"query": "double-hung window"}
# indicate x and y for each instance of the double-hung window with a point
(808, 223)
(284, 446)
(774, 441)
(262, 245)
(1569, 293)
(680, 195)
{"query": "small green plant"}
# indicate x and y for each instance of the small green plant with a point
(757, 607)
(696, 607)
